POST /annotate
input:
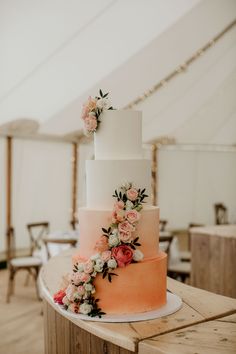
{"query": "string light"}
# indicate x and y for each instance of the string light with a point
(181, 68)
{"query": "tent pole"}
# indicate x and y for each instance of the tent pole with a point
(9, 192)
(154, 174)
(74, 219)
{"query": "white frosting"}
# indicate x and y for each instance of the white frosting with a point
(119, 135)
(104, 176)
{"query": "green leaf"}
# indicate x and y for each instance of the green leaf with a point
(100, 91)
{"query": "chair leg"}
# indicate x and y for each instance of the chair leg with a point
(10, 288)
(27, 279)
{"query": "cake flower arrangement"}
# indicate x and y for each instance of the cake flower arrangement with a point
(116, 248)
(92, 110)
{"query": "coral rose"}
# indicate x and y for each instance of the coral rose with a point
(123, 255)
(102, 244)
(59, 296)
(132, 194)
(132, 216)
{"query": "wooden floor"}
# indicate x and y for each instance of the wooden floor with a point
(21, 321)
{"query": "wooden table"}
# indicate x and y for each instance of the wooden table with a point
(205, 324)
(214, 259)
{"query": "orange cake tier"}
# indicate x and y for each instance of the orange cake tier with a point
(139, 287)
(91, 222)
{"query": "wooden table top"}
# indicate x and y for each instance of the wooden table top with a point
(217, 230)
(200, 309)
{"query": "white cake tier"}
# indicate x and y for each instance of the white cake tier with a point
(119, 136)
(104, 176)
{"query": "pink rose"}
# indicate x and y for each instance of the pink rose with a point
(101, 244)
(58, 297)
(106, 255)
(132, 216)
(132, 194)
(118, 215)
(126, 237)
(81, 290)
(90, 123)
(123, 255)
(70, 290)
(84, 277)
(76, 278)
(88, 266)
(85, 112)
(125, 226)
(119, 205)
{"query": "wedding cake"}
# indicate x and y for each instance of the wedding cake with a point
(119, 261)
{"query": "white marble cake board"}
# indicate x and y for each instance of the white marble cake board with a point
(173, 304)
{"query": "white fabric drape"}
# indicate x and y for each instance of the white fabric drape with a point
(191, 182)
(41, 186)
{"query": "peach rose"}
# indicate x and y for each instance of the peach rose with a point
(118, 215)
(74, 308)
(76, 278)
(106, 255)
(90, 123)
(58, 297)
(123, 255)
(119, 205)
(91, 103)
(102, 244)
(132, 194)
(132, 216)
(125, 226)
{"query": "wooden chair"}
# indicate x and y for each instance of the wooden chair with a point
(166, 242)
(221, 214)
(179, 269)
(59, 241)
(30, 263)
(162, 224)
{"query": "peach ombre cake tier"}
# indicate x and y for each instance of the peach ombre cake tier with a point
(118, 268)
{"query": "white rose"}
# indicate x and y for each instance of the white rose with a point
(88, 287)
(99, 262)
(97, 268)
(103, 103)
(129, 205)
(85, 308)
(137, 255)
(113, 240)
(112, 263)
(95, 257)
(80, 267)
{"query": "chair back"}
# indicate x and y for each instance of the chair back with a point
(162, 224)
(37, 231)
(11, 249)
(60, 243)
(167, 240)
(221, 214)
